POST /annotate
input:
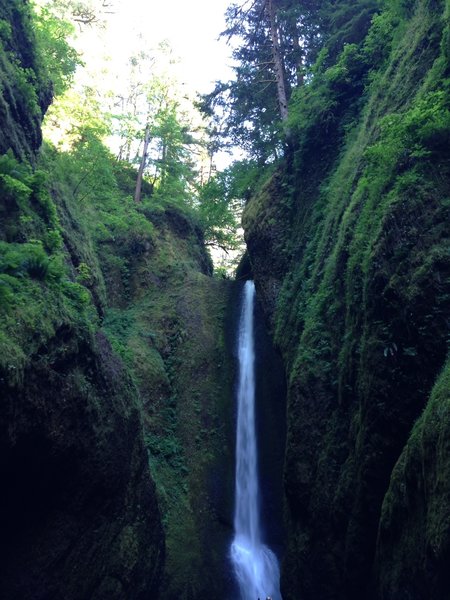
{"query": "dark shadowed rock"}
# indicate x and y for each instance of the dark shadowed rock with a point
(79, 513)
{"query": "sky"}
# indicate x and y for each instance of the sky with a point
(190, 26)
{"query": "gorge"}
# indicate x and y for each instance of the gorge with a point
(122, 347)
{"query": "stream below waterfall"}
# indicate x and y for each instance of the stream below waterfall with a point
(255, 565)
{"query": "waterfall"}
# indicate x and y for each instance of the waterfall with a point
(255, 565)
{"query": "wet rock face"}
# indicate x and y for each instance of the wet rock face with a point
(79, 513)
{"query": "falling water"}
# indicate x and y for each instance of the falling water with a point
(255, 565)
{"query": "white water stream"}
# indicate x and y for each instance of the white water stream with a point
(255, 565)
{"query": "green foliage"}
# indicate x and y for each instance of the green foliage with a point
(89, 166)
(345, 22)
(420, 134)
(246, 108)
(19, 97)
(328, 106)
(218, 210)
(27, 209)
(9, 165)
(166, 448)
(77, 295)
(84, 274)
(35, 292)
(24, 80)
(42, 200)
(52, 240)
(57, 58)
(172, 137)
(14, 191)
(36, 61)
(77, 121)
(378, 41)
(171, 148)
(5, 31)
(24, 259)
(7, 288)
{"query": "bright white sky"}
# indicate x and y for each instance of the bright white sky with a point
(190, 26)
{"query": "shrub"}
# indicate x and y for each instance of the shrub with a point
(30, 259)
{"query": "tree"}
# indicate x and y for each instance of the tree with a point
(277, 58)
(274, 42)
(131, 106)
(168, 144)
(142, 164)
(174, 172)
(58, 59)
(219, 207)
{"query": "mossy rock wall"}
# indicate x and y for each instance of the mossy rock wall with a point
(79, 514)
(79, 510)
(270, 410)
(118, 332)
(413, 546)
(25, 91)
(168, 318)
(152, 395)
(349, 247)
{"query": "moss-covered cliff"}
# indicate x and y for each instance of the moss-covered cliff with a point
(79, 510)
(26, 89)
(115, 376)
(350, 252)
(413, 542)
(165, 316)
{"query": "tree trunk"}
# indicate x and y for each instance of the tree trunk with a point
(277, 60)
(137, 193)
(299, 59)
